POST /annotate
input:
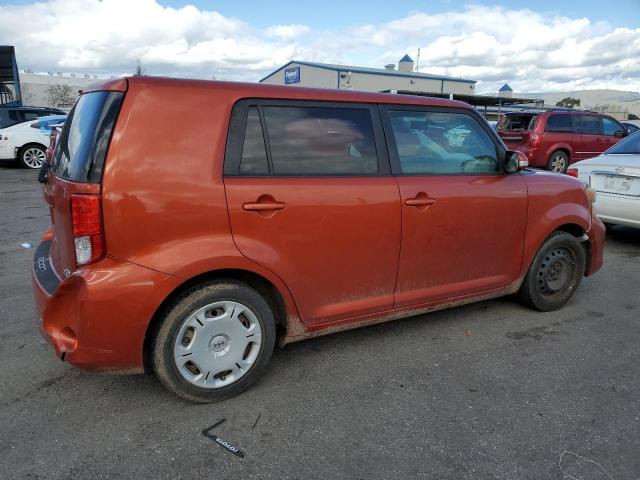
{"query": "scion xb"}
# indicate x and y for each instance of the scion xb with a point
(190, 247)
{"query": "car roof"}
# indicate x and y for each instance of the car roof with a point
(239, 90)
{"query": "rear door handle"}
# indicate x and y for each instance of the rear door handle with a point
(421, 200)
(263, 207)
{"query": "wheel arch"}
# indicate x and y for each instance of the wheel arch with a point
(262, 285)
(565, 147)
(30, 144)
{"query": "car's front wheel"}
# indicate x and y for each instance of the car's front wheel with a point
(214, 341)
(555, 273)
(32, 156)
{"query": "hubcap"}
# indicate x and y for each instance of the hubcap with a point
(217, 344)
(556, 271)
(33, 157)
(558, 164)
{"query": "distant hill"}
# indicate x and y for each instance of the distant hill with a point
(590, 99)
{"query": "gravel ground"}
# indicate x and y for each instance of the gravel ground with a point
(489, 390)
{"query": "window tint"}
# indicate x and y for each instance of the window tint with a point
(83, 142)
(559, 123)
(610, 126)
(254, 153)
(320, 141)
(30, 116)
(590, 125)
(442, 143)
(630, 145)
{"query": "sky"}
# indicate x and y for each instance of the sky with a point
(535, 46)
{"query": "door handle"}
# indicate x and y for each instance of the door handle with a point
(263, 207)
(419, 202)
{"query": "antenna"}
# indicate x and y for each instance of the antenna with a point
(418, 60)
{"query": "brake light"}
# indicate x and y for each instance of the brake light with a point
(573, 172)
(87, 228)
(535, 140)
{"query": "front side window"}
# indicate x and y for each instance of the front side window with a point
(320, 141)
(610, 126)
(590, 125)
(559, 123)
(442, 143)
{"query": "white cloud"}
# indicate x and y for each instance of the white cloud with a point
(493, 45)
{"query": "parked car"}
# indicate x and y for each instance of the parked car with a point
(26, 142)
(615, 175)
(13, 115)
(556, 139)
(289, 213)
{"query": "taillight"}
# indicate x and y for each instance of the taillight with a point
(573, 172)
(87, 228)
(535, 140)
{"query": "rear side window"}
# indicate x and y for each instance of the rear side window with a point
(320, 141)
(442, 143)
(254, 152)
(560, 123)
(82, 146)
(590, 125)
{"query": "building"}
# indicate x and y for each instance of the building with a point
(53, 89)
(505, 91)
(346, 77)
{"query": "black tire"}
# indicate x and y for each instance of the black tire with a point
(176, 315)
(26, 157)
(554, 274)
(558, 162)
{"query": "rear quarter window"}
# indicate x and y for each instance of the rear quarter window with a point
(83, 142)
(560, 123)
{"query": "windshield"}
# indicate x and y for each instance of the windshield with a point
(630, 145)
(83, 143)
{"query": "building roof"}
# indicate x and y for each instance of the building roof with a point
(369, 70)
(406, 58)
(505, 88)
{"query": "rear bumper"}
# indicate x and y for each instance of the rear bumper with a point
(97, 317)
(596, 234)
(618, 209)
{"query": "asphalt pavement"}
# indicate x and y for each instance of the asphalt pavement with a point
(484, 391)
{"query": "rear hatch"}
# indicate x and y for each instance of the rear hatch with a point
(515, 129)
(73, 182)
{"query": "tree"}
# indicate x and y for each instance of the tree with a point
(59, 96)
(27, 93)
(568, 102)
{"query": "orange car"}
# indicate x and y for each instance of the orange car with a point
(190, 247)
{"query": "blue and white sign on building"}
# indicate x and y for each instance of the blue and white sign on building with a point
(292, 75)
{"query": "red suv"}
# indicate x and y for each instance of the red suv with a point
(556, 139)
(190, 248)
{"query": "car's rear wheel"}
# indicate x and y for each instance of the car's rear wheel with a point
(555, 273)
(558, 162)
(31, 156)
(214, 341)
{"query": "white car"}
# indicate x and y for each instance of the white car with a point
(27, 142)
(615, 176)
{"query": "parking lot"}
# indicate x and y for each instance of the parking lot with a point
(489, 390)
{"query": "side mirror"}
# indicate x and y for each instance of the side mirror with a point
(516, 161)
(620, 133)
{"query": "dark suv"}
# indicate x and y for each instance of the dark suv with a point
(13, 115)
(556, 139)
